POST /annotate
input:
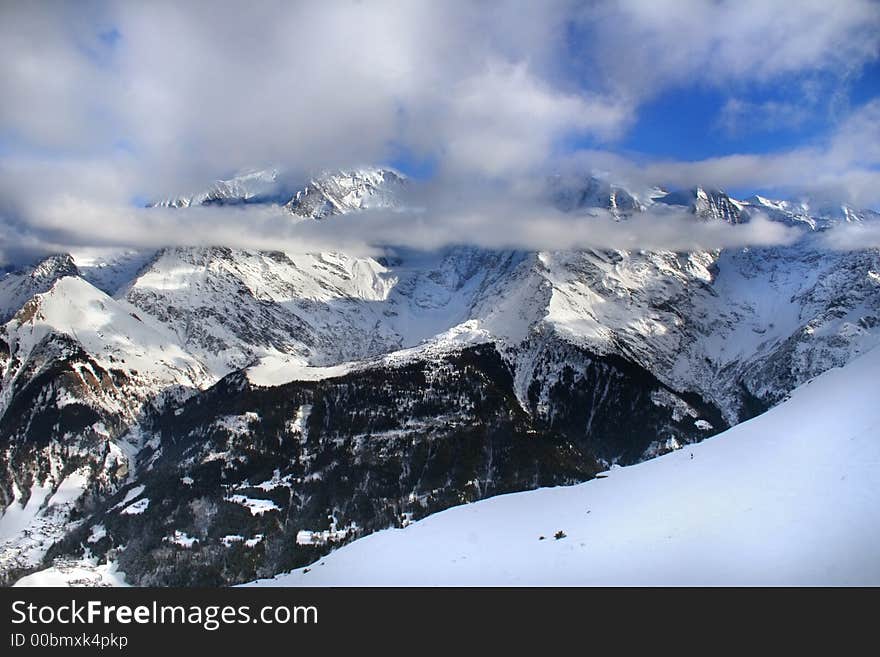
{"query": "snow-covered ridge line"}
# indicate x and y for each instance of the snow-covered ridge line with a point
(245, 187)
(329, 192)
(346, 190)
(275, 371)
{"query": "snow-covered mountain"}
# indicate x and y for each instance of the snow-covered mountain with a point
(19, 287)
(345, 191)
(249, 187)
(791, 497)
(249, 399)
(330, 192)
(708, 204)
(571, 195)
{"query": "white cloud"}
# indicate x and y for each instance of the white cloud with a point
(739, 117)
(479, 217)
(53, 87)
(504, 120)
(198, 89)
(193, 91)
(642, 46)
(853, 237)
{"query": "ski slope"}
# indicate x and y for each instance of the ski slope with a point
(791, 497)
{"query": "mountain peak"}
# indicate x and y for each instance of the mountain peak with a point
(343, 191)
(570, 195)
(707, 203)
(251, 186)
(54, 267)
(18, 287)
(328, 192)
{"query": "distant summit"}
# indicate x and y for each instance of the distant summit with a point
(328, 193)
(252, 187)
(343, 191)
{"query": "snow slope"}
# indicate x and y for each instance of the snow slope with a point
(791, 497)
(17, 288)
(108, 329)
(83, 572)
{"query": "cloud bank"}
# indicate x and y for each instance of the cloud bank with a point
(482, 221)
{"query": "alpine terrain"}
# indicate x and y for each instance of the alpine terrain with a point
(211, 416)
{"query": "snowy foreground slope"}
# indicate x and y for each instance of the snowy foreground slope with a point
(791, 497)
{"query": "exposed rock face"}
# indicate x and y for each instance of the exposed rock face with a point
(296, 469)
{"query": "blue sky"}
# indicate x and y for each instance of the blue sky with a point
(686, 122)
